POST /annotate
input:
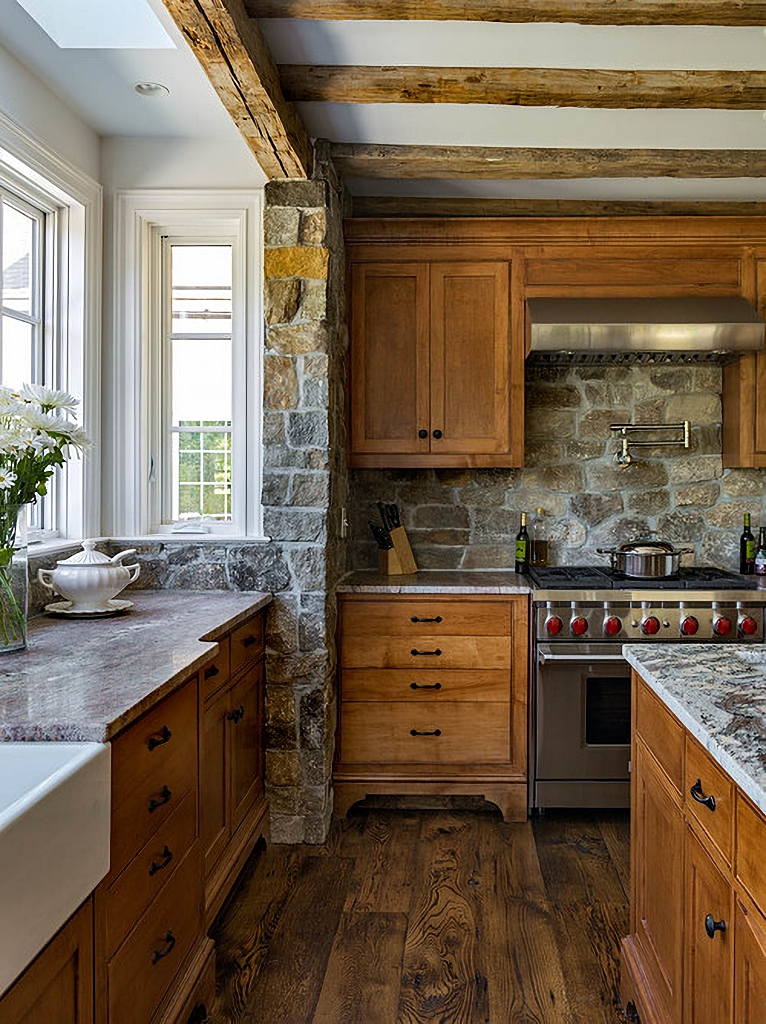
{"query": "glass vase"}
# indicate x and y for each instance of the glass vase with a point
(14, 583)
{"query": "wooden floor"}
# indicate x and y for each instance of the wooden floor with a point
(439, 916)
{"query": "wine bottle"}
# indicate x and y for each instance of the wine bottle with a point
(539, 544)
(746, 547)
(760, 555)
(522, 546)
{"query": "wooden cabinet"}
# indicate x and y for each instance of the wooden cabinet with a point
(57, 987)
(744, 397)
(232, 796)
(433, 698)
(696, 953)
(430, 362)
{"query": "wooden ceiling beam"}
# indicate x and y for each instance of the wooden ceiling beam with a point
(449, 206)
(371, 160)
(526, 87)
(583, 12)
(233, 53)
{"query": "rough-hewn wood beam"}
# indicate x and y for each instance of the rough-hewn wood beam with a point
(446, 206)
(526, 87)
(370, 160)
(583, 12)
(233, 53)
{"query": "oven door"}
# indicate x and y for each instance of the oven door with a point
(582, 726)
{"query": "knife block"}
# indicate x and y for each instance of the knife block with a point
(398, 560)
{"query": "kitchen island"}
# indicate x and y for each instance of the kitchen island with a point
(697, 944)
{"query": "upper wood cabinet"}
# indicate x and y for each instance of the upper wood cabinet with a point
(744, 399)
(430, 364)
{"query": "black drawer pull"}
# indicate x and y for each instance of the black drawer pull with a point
(236, 715)
(167, 856)
(425, 686)
(425, 654)
(211, 671)
(164, 797)
(248, 641)
(170, 941)
(699, 796)
(157, 741)
(712, 926)
(415, 618)
(199, 1014)
(435, 732)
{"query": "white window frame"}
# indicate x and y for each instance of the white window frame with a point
(141, 218)
(73, 205)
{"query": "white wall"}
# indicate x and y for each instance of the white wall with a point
(133, 163)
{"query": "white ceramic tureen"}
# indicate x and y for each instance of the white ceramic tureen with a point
(90, 579)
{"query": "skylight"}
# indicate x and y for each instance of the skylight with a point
(100, 24)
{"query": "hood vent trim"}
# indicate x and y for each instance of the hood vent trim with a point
(630, 331)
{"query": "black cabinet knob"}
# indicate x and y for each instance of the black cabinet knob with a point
(699, 796)
(422, 434)
(437, 434)
(712, 926)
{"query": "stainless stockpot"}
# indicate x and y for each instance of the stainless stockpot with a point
(646, 559)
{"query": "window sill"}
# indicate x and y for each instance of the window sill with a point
(187, 538)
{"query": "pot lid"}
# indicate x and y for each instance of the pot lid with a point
(91, 558)
(646, 547)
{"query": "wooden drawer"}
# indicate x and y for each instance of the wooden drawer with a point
(137, 978)
(216, 674)
(750, 862)
(247, 642)
(154, 763)
(150, 870)
(661, 733)
(382, 733)
(426, 652)
(426, 684)
(713, 782)
(434, 616)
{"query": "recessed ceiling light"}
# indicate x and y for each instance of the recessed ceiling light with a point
(100, 24)
(152, 89)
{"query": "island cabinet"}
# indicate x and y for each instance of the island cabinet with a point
(696, 953)
(430, 363)
(433, 698)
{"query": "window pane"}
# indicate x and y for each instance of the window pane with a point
(202, 471)
(17, 354)
(201, 380)
(201, 289)
(18, 252)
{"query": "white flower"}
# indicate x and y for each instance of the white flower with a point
(48, 398)
(7, 480)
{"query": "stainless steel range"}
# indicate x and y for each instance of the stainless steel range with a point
(581, 618)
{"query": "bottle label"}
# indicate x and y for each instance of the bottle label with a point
(521, 551)
(749, 550)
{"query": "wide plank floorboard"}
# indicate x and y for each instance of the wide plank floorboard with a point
(450, 917)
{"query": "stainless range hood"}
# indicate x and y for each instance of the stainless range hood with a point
(642, 330)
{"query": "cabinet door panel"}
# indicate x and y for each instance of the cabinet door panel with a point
(749, 965)
(470, 357)
(214, 826)
(389, 357)
(246, 744)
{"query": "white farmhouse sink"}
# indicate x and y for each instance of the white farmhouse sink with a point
(54, 841)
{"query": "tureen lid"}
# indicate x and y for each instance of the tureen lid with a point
(89, 556)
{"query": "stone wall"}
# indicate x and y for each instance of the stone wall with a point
(468, 518)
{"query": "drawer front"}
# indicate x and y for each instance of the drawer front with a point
(145, 966)
(217, 673)
(713, 782)
(247, 642)
(426, 684)
(154, 866)
(431, 615)
(154, 763)
(661, 733)
(751, 841)
(426, 652)
(383, 733)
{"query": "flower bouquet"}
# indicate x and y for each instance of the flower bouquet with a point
(37, 434)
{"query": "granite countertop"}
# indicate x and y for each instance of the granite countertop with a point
(437, 581)
(86, 679)
(719, 694)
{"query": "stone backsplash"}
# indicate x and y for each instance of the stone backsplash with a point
(468, 518)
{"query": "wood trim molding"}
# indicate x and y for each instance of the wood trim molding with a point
(372, 160)
(583, 12)
(446, 206)
(233, 53)
(526, 87)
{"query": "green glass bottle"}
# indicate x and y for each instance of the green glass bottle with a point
(522, 546)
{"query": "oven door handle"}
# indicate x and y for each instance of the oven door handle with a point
(544, 657)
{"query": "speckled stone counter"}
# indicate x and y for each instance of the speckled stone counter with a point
(86, 679)
(719, 694)
(435, 581)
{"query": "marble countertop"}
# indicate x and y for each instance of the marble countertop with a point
(719, 694)
(86, 679)
(437, 581)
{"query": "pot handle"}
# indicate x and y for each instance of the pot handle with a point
(122, 554)
(44, 576)
(606, 551)
(682, 551)
(133, 574)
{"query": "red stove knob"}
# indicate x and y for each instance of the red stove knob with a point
(579, 625)
(553, 625)
(722, 626)
(650, 625)
(748, 625)
(612, 625)
(689, 625)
